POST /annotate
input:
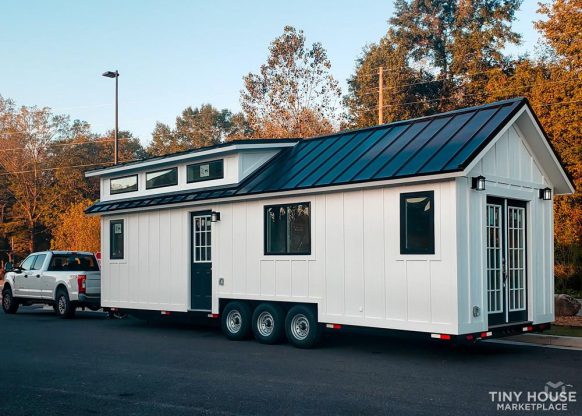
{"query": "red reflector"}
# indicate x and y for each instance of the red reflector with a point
(470, 337)
(82, 283)
(213, 315)
(165, 313)
(333, 326)
(98, 255)
(445, 336)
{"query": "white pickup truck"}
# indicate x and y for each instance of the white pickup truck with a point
(64, 279)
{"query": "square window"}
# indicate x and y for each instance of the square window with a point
(288, 229)
(417, 223)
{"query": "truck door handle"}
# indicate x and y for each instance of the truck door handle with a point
(38, 275)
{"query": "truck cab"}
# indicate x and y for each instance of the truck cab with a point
(64, 279)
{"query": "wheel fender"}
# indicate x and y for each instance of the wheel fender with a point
(59, 287)
(8, 285)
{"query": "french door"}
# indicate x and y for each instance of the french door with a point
(506, 231)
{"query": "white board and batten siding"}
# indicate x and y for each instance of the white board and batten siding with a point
(512, 172)
(355, 272)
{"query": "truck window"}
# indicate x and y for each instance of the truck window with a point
(73, 263)
(28, 262)
(39, 262)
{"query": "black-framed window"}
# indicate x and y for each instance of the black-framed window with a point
(161, 178)
(288, 229)
(116, 237)
(417, 223)
(205, 171)
(123, 184)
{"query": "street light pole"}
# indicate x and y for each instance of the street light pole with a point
(111, 74)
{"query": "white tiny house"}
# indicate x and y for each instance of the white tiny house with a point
(441, 224)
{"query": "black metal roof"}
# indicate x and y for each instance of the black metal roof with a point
(436, 144)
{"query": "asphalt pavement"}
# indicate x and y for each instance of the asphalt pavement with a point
(93, 366)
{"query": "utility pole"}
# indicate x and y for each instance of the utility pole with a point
(380, 95)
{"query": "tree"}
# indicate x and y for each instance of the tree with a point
(294, 93)
(195, 128)
(76, 231)
(437, 56)
(43, 157)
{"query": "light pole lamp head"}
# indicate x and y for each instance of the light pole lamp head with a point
(111, 74)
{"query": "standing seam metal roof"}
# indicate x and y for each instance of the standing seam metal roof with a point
(436, 144)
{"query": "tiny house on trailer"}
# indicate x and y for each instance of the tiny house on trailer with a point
(441, 225)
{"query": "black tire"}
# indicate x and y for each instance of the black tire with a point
(64, 307)
(302, 328)
(268, 323)
(236, 321)
(9, 304)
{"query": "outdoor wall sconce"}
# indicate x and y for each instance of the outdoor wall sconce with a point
(546, 194)
(215, 216)
(478, 183)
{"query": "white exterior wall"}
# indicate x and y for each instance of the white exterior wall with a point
(355, 272)
(511, 172)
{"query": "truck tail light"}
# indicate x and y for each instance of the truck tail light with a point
(82, 283)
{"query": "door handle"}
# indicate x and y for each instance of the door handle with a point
(38, 275)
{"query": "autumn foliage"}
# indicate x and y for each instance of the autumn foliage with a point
(76, 231)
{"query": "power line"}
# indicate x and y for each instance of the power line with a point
(68, 144)
(465, 95)
(57, 168)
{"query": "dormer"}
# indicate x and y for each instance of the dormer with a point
(218, 166)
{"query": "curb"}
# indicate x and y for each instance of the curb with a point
(553, 340)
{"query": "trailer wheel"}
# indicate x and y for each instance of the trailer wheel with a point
(302, 328)
(269, 323)
(236, 321)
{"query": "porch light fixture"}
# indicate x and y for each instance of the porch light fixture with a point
(478, 183)
(546, 194)
(215, 216)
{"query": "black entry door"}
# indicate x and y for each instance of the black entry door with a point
(201, 278)
(506, 261)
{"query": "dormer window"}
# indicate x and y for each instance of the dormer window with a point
(161, 178)
(205, 171)
(123, 184)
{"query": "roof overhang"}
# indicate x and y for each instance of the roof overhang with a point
(540, 145)
(196, 154)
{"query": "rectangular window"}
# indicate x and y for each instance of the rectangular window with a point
(116, 239)
(39, 262)
(161, 178)
(288, 229)
(205, 171)
(417, 223)
(123, 184)
(73, 262)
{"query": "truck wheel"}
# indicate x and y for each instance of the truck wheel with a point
(236, 321)
(269, 323)
(302, 328)
(9, 304)
(64, 307)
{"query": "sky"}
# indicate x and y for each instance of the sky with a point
(172, 54)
